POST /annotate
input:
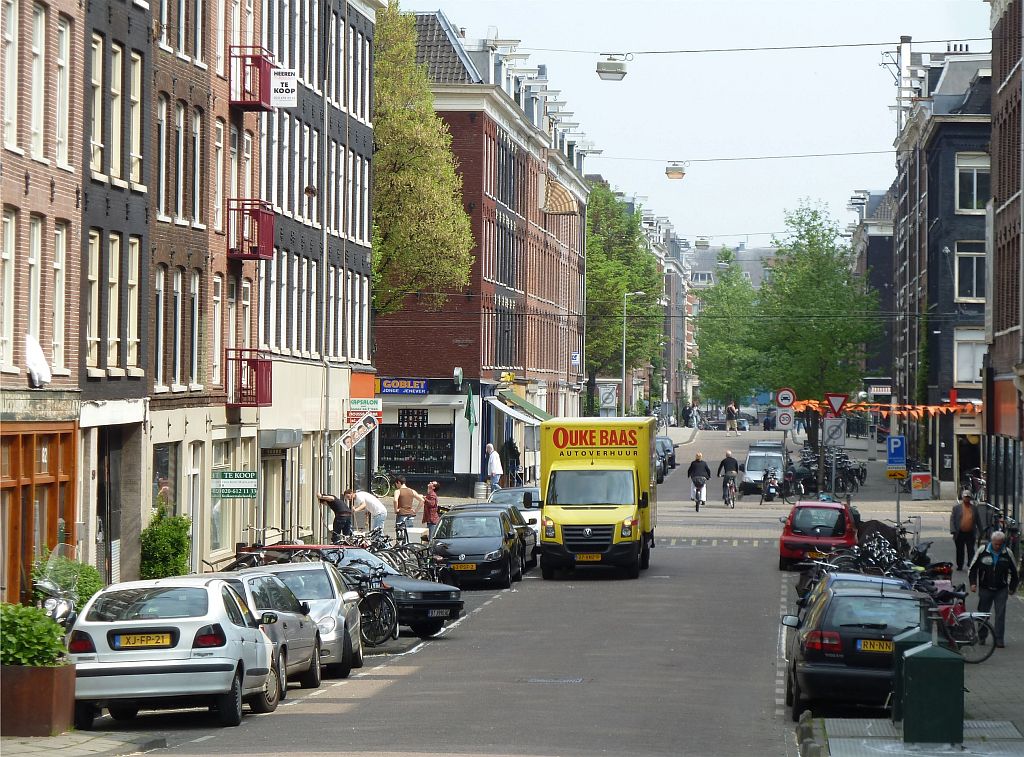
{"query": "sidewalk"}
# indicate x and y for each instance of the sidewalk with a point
(82, 744)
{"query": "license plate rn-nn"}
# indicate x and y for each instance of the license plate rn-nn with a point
(874, 645)
(142, 640)
(463, 566)
(588, 557)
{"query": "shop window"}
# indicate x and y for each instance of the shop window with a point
(42, 455)
(165, 477)
(416, 449)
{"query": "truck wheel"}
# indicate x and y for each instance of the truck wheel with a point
(633, 569)
(645, 554)
(547, 572)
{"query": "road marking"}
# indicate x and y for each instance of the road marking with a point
(204, 738)
(735, 542)
(756, 543)
(714, 542)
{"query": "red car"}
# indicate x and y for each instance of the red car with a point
(814, 528)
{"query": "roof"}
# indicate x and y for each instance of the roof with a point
(821, 503)
(200, 580)
(439, 47)
(876, 591)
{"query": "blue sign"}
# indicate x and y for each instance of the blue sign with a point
(403, 386)
(896, 450)
(575, 359)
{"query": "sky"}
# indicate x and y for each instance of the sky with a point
(695, 106)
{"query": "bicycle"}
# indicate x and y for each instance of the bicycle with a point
(377, 609)
(969, 634)
(730, 491)
(380, 483)
(699, 482)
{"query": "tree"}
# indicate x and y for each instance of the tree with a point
(729, 360)
(422, 239)
(618, 262)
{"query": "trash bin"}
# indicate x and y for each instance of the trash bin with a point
(933, 696)
(912, 637)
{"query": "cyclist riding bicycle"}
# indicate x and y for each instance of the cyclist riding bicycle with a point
(698, 473)
(730, 466)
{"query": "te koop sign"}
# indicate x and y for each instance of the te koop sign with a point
(284, 88)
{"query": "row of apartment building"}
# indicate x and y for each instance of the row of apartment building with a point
(942, 247)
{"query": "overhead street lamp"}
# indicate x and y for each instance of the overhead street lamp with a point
(613, 68)
(624, 296)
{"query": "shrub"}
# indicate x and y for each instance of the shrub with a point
(166, 546)
(87, 583)
(29, 637)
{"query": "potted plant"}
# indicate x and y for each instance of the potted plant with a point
(37, 697)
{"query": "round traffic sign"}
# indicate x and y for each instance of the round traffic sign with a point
(784, 420)
(785, 397)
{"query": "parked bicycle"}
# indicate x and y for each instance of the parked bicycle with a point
(377, 608)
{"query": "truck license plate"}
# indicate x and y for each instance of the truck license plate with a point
(588, 557)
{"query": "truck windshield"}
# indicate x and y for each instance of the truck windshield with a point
(591, 487)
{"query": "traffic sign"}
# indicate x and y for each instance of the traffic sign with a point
(896, 451)
(785, 397)
(784, 420)
(834, 432)
(897, 473)
(836, 402)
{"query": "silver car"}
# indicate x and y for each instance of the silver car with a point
(170, 642)
(332, 606)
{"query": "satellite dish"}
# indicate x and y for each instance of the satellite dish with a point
(35, 361)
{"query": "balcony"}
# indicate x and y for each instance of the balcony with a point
(250, 77)
(250, 377)
(250, 229)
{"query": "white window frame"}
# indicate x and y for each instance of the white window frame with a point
(161, 158)
(331, 348)
(164, 22)
(195, 324)
(132, 315)
(247, 141)
(135, 120)
(269, 164)
(197, 167)
(232, 320)
(176, 314)
(366, 319)
(114, 247)
(59, 300)
(975, 162)
(7, 274)
(38, 92)
(246, 313)
(282, 298)
(182, 27)
(976, 254)
(301, 195)
(179, 161)
(367, 52)
(35, 265)
(219, 57)
(198, 42)
(116, 109)
(62, 96)
(159, 323)
(284, 155)
(93, 314)
(303, 315)
(976, 338)
(218, 177)
(294, 302)
(218, 317)
(314, 343)
(314, 178)
(298, 178)
(96, 116)
(11, 18)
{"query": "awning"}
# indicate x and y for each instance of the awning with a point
(515, 399)
(557, 199)
(512, 412)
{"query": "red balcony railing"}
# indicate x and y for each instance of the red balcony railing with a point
(250, 229)
(250, 77)
(250, 378)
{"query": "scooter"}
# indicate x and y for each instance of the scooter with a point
(769, 485)
(58, 586)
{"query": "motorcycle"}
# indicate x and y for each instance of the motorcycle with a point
(57, 586)
(769, 485)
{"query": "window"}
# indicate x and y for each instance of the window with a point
(60, 256)
(11, 89)
(159, 303)
(176, 315)
(332, 346)
(179, 161)
(303, 201)
(232, 313)
(303, 294)
(161, 157)
(182, 27)
(7, 271)
(294, 302)
(113, 300)
(164, 21)
(96, 117)
(116, 108)
(970, 271)
(969, 350)
(972, 182)
(193, 365)
(93, 320)
(198, 18)
(135, 117)
(38, 84)
(218, 317)
(218, 177)
(35, 262)
(247, 164)
(246, 313)
(284, 156)
(197, 173)
(218, 39)
(134, 253)
(165, 477)
(62, 96)
(314, 344)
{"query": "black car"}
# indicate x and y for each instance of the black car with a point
(840, 651)
(481, 546)
(424, 606)
(515, 495)
(526, 527)
(667, 449)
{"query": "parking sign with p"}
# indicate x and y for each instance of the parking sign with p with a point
(896, 450)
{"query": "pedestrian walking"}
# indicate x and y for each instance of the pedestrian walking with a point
(994, 576)
(731, 414)
(405, 502)
(699, 473)
(367, 503)
(431, 514)
(687, 415)
(342, 515)
(494, 469)
(964, 528)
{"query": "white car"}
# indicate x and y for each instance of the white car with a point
(171, 642)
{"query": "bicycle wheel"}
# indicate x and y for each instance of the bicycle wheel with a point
(379, 617)
(380, 484)
(973, 638)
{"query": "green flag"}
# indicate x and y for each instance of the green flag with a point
(470, 410)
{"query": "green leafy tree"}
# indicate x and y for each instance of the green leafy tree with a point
(618, 263)
(166, 544)
(422, 239)
(729, 360)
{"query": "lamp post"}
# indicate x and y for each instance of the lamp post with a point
(624, 296)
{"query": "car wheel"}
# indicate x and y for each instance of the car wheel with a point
(312, 677)
(506, 577)
(123, 712)
(799, 705)
(357, 653)
(282, 674)
(85, 715)
(427, 628)
(268, 699)
(229, 704)
(534, 558)
(783, 563)
(344, 667)
(789, 690)
(518, 575)
(546, 572)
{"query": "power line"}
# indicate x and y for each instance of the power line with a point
(746, 157)
(765, 48)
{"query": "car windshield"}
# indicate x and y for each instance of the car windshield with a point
(364, 560)
(873, 612)
(512, 496)
(819, 521)
(308, 584)
(591, 487)
(761, 462)
(664, 445)
(149, 603)
(469, 526)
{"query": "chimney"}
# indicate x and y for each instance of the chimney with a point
(462, 32)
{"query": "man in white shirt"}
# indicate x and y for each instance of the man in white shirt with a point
(368, 503)
(494, 469)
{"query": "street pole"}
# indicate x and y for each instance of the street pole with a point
(624, 296)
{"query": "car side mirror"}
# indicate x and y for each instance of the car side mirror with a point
(350, 596)
(510, 534)
(790, 621)
(305, 608)
(268, 618)
(527, 500)
(743, 468)
(531, 522)
(782, 521)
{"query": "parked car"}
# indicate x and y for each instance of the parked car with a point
(479, 546)
(761, 457)
(516, 495)
(840, 580)
(841, 650)
(667, 449)
(171, 642)
(332, 606)
(295, 634)
(424, 606)
(527, 528)
(813, 528)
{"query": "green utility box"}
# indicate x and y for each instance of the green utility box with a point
(912, 637)
(933, 696)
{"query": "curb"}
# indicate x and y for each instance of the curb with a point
(810, 736)
(86, 746)
(693, 435)
(144, 744)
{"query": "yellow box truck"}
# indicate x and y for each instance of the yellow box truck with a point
(598, 491)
